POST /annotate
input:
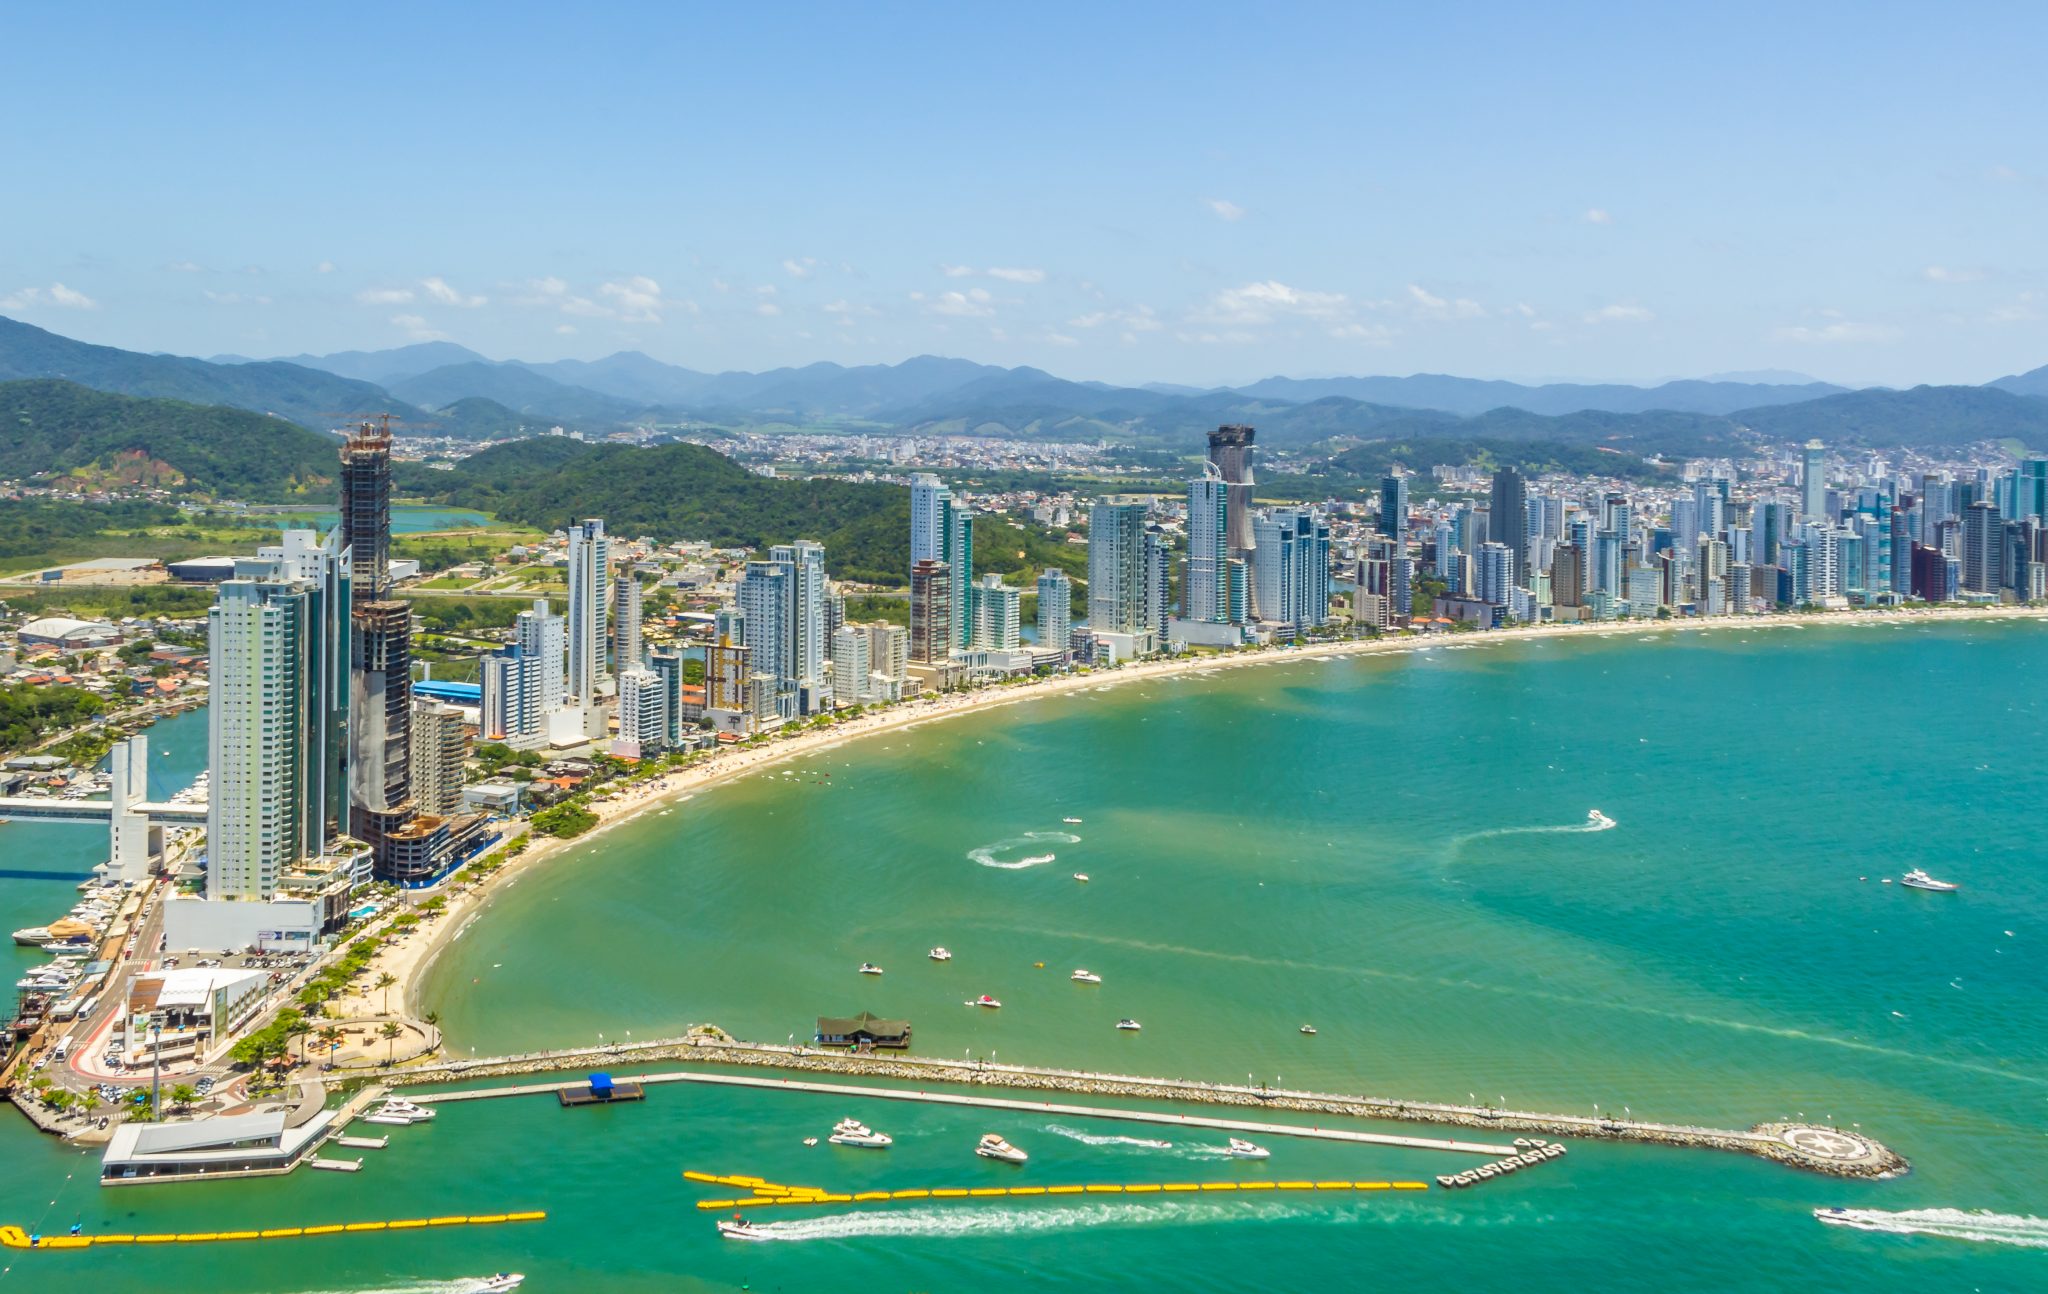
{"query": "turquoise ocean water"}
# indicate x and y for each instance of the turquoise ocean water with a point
(1393, 849)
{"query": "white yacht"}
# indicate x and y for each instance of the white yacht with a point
(984, 1000)
(1920, 880)
(852, 1132)
(1081, 877)
(1085, 977)
(1309, 1029)
(498, 1284)
(397, 1112)
(992, 1146)
(941, 954)
(32, 936)
(1129, 1025)
(1241, 1149)
(869, 968)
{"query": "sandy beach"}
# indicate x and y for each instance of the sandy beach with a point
(408, 956)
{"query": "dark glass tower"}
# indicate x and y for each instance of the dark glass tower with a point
(380, 656)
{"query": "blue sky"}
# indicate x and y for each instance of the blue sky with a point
(1121, 192)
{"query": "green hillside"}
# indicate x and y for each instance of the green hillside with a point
(53, 430)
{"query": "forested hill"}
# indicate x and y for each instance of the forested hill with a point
(52, 430)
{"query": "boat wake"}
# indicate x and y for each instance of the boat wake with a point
(1097, 1139)
(1595, 821)
(943, 1223)
(458, 1286)
(1949, 1224)
(993, 855)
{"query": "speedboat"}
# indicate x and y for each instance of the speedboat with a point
(1920, 880)
(1072, 822)
(984, 1000)
(992, 1146)
(498, 1284)
(395, 1111)
(32, 936)
(940, 954)
(1081, 876)
(1085, 977)
(869, 968)
(1241, 1149)
(1309, 1029)
(741, 1229)
(852, 1132)
(1129, 1024)
(810, 1141)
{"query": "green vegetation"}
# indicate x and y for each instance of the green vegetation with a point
(272, 1042)
(861, 607)
(175, 601)
(28, 713)
(59, 430)
(565, 820)
(456, 615)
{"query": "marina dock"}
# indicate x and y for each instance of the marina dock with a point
(1821, 1148)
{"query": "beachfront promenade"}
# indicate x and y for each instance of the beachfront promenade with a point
(1817, 1148)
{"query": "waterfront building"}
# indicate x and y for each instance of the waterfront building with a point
(1157, 587)
(589, 608)
(683, 703)
(539, 634)
(1567, 575)
(930, 505)
(958, 556)
(1291, 570)
(380, 649)
(998, 618)
(888, 659)
(1495, 573)
(931, 612)
(626, 642)
(643, 714)
(1393, 514)
(767, 603)
(726, 671)
(1055, 609)
(851, 667)
(1116, 569)
(807, 645)
(439, 748)
(1206, 586)
(1230, 453)
(1508, 523)
(1984, 549)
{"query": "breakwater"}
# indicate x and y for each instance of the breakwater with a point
(1815, 1148)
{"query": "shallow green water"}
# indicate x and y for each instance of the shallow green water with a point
(1390, 849)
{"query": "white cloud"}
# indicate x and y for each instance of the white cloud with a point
(416, 328)
(1235, 337)
(2023, 310)
(1061, 339)
(324, 267)
(550, 286)
(956, 271)
(54, 295)
(1262, 302)
(1225, 209)
(1369, 334)
(1133, 319)
(565, 330)
(1952, 274)
(385, 296)
(801, 267)
(846, 310)
(444, 292)
(1835, 333)
(973, 303)
(1018, 276)
(768, 309)
(1620, 312)
(1428, 305)
(186, 267)
(1598, 216)
(237, 299)
(2004, 173)
(637, 299)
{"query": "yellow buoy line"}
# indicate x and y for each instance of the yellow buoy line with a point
(767, 1193)
(13, 1237)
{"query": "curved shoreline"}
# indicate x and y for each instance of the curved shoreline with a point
(410, 958)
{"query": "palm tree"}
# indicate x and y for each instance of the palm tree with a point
(299, 1029)
(330, 1038)
(183, 1095)
(91, 1102)
(384, 982)
(390, 1030)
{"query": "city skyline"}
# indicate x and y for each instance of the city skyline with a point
(1521, 226)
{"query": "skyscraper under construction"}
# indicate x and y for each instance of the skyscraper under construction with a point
(1230, 449)
(380, 695)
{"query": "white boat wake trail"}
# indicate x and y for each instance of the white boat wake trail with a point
(1097, 1139)
(1595, 821)
(457, 1286)
(996, 1221)
(1949, 1224)
(989, 855)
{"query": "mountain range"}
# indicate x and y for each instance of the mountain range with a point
(455, 391)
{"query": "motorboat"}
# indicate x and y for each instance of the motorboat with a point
(32, 936)
(810, 1141)
(992, 1146)
(941, 954)
(984, 1000)
(852, 1132)
(498, 1284)
(397, 1112)
(1919, 880)
(1072, 822)
(1309, 1029)
(1242, 1149)
(741, 1229)
(1129, 1025)
(869, 968)
(1081, 876)
(1085, 977)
